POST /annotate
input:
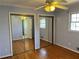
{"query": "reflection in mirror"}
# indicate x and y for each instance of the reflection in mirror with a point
(46, 36)
(22, 33)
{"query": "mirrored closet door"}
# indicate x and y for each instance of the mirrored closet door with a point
(46, 30)
(22, 32)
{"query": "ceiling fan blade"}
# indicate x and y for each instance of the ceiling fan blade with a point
(41, 6)
(61, 1)
(61, 7)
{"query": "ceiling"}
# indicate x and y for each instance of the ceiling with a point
(28, 3)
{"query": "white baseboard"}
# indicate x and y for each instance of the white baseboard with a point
(67, 48)
(5, 56)
(47, 40)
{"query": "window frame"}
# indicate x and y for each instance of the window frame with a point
(70, 21)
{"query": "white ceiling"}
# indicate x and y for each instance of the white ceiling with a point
(27, 3)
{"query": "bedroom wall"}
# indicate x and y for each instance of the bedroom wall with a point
(64, 36)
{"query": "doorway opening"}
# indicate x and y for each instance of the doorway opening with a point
(22, 27)
(46, 30)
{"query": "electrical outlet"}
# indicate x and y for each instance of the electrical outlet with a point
(78, 48)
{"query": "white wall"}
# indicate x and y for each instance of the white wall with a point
(4, 32)
(65, 37)
(5, 43)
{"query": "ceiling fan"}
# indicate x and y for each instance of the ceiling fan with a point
(51, 5)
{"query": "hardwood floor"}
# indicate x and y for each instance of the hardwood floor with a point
(44, 43)
(20, 46)
(50, 52)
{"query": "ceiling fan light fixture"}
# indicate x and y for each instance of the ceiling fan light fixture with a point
(49, 8)
(55, 3)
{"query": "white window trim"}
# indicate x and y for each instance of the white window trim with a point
(69, 23)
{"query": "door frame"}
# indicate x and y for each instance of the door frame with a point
(10, 28)
(53, 27)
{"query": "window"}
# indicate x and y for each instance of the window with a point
(75, 22)
(42, 23)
